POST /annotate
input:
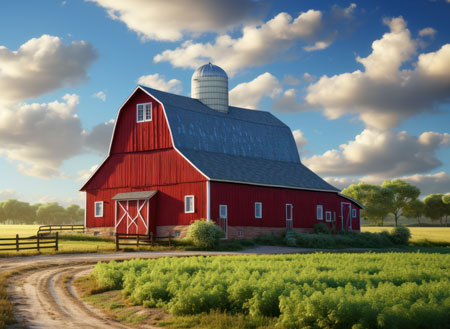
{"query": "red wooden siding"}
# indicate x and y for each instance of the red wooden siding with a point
(166, 207)
(241, 199)
(131, 136)
(144, 169)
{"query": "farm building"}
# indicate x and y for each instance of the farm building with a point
(174, 159)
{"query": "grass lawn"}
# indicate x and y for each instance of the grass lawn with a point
(10, 231)
(439, 234)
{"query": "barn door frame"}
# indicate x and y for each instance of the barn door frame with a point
(348, 220)
(134, 219)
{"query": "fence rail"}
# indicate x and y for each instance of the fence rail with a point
(59, 228)
(36, 242)
(139, 240)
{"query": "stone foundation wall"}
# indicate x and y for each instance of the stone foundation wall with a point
(103, 232)
(176, 231)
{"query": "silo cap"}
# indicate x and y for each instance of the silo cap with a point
(209, 70)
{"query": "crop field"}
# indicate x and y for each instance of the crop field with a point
(10, 231)
(439, 234)
(371, 290)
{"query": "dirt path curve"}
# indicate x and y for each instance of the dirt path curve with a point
(44, 297)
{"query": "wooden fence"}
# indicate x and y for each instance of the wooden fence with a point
(138, 240)
(59, 228)
(36, 242)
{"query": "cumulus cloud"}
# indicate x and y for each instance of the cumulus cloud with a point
(159, 82)
(430, 183)
(42, 65)
(258, 45)
(83, 175)
(170, 20)
(9, 194)
(289, 103)
(300, 140)
(249, 94)
(427, 32)
(100, 95)
(99, 137)
(385, 154)
(384, 94)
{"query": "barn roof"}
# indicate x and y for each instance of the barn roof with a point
(240, 146)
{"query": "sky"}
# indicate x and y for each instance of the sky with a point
(364, 85)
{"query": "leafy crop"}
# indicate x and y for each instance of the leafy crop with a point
(383, 290)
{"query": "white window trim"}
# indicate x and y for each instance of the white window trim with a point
(260, 205)
(319, 214)
(95, 209)
(290, 207)
(328, 216)
(223, 206)
(185, 204)
(144, 119)
(354, 213)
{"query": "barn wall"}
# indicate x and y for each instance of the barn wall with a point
(241, 198)
(166, 207)
(131, 136)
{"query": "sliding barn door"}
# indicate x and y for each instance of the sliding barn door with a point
(132, 216)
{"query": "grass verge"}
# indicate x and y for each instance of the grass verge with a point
(6, 307)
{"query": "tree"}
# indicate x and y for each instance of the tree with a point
(375, 200)
(446, 201)
(414, 209)
(18, 212)
(435, 208)
(75, 214)
(404, 193)
(51, 213)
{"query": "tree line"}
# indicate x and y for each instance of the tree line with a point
(398, 198)
(18, 212)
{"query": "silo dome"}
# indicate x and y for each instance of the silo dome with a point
(210, 86)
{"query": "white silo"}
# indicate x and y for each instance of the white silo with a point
(210, 86)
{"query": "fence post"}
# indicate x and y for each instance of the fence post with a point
(137, 244)
(117, 241)
(169, 239)
(17, 242)
(56, 241)
(37, 237)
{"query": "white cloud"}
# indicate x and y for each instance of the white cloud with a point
(100, 95)
(385, 154)
(170, 20)
(319, 45)
(300, 140)
(430, 183)
(42, 65)
(100, 137)
(159, 82)
(259, 44)
(288, 103)
(427, 32)
(341, 182)
(249, 94)
(9, 194)
(290, 80)
(384, 94)
(83, 175)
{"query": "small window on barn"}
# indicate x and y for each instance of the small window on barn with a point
(289, 211)
(258, 209)
(354, 213)
(319, 212)
(144, 112)
(177, 234)
(223, 211)
(189, 204)
(328, 216)
(98, 209)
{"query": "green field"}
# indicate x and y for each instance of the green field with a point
(382, 290)
(439, 234)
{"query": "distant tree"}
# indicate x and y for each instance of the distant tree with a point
(18, 212)
(414, 209)
(75, 214)
(375, 199)
(435, 208)
(403, 192)
(446, 201)
(51, 213)
(2, 213)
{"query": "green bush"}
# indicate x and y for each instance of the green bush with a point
(400, 235)
(321, 228)
(204, 234)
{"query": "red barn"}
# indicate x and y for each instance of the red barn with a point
(174, 159)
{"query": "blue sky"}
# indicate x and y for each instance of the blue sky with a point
(364, 86)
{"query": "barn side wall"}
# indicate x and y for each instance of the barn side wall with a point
(241, 199)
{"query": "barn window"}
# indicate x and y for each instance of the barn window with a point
(144, 112)
(223, 211)
(189, 204)
(319, 212)
(328, 216)
(258, 209)
(354, 213)
(289, 211)
(98, 209)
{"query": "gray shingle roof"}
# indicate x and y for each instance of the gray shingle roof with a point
(241, 145)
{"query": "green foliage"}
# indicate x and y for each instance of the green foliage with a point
(321, 228)
(400, 235)
(385, 290)
(204, 234)
(435, 207)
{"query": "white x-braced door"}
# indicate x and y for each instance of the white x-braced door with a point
(132, 216)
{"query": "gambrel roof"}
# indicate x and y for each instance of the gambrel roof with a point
(244, 146)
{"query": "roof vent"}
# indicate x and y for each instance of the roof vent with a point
(210, 86)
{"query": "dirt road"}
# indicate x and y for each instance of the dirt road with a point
(44, 295)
